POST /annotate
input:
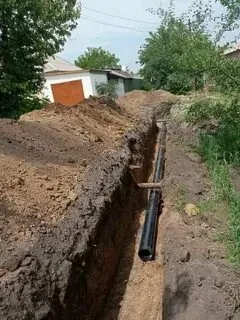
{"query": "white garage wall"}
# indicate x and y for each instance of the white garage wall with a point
(60, 78)
(98, 78)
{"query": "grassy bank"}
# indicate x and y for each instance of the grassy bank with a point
(219, 145)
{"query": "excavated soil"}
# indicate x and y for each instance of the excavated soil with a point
(44, 156)
(67, 196)
(71, 217)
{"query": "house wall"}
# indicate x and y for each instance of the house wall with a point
(133, 84)
(97, 78)
(61, 78)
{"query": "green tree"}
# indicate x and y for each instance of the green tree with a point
(177, 56)
(233, 13)
(183, 54)
(97, 58)
(30, 32)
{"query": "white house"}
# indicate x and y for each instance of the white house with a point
(68, 84)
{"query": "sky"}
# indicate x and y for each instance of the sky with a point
(124, 43)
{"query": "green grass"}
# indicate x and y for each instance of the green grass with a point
(225, 191)
(219, 145)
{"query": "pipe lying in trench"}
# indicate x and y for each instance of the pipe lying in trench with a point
(148, 239)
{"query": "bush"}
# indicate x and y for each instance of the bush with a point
(107, 89)
(178, 83)
(223, 138)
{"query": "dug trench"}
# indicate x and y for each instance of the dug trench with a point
(86, 266)
(67, 272)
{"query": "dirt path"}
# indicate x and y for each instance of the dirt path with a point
(199, 281)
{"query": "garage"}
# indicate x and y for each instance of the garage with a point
(68, 93)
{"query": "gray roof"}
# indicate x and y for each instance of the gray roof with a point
(57, 64)
(230, 50)
(119, 73)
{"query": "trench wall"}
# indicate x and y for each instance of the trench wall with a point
(71, 269)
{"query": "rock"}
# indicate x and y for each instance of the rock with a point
(98, 139)
(49, 187)
(72, 196)
(45, 177)
(71, 160)
(204, 225)
(12, 263)
(191, 210)
(185, 256)
(54, 220)
(83, 163)
(66, 204)
(2, 272)
(219, 283)
(19, 181)
(27, 261)
(28, 233)
(199, 283)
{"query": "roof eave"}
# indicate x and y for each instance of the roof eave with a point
(58, 72)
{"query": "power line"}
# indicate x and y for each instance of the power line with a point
(119, 17)
(112, 25)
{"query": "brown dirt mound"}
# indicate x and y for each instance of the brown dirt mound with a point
(44, 155)
(136, 98)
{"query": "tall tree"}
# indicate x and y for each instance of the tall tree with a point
(30, 32)
(233, 12)
(183, 53)
(97, 58)
(176, 57)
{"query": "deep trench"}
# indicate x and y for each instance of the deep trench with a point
(122, 303)
(114, 241)
(93, 251)
(142, 170)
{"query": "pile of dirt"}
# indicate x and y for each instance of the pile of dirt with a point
(43, 156)
(67, 200)
(152, 99)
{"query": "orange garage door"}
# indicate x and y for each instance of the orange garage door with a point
(68, 93)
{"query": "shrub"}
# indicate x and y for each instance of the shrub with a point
(107, 89)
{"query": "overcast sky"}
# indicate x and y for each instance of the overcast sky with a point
(124, 43)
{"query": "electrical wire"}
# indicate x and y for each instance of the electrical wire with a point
(119, 17)
(113, 25)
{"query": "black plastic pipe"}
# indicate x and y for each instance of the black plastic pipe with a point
(148, 238)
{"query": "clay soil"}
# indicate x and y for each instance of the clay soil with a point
(43, 156)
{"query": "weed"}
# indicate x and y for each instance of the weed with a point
(181, 199)
(219, 145)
